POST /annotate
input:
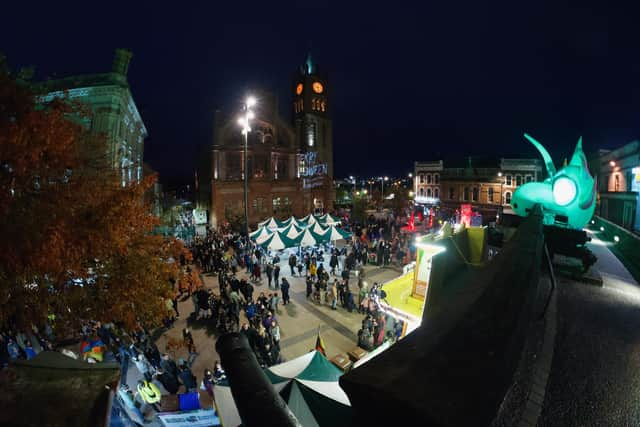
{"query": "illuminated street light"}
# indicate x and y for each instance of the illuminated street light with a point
(244, 122)
(499, 173)
(410, 175)
(612, 163)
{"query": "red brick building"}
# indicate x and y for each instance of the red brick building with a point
(290, 163)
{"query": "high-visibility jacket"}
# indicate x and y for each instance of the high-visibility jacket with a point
(149, 392)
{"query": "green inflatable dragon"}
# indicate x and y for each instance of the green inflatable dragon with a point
(567, 196)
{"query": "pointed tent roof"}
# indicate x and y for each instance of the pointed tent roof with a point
(331, 220)
(271, 223)
(308, 220)
(335, 233)
(278, 241)
(292, 231)
(260, 234)
(317, 399)
(319, 228)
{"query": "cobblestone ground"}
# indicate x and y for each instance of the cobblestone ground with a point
(299, 321)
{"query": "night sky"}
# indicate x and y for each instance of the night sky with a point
(444, 79)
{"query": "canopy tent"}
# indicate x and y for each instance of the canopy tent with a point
(328, 219)
(337, 234)
(260, 234)
(319, 228)
(292, 220)
(291, 231)
(278, 241)
(309, 219)
(271, 223)
(309, 385)
(309, 238)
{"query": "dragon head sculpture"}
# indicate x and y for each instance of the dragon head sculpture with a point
(567, 196)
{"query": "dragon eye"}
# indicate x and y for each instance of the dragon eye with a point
(564, 191)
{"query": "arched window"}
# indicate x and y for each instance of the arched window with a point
(436, 178)
(428, 178)
(421, 192)
(508, 180)
(465, 194)
(476, 194)
(616, 185)
(428, 192)
(436, 193)
(490, 194)
(507, 197)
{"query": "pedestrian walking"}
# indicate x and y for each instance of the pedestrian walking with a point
(276, 276)
(285, 292)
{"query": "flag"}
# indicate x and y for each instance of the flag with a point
(320, 344)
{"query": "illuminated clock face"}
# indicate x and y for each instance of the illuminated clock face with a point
(299, 89)
(317, 87)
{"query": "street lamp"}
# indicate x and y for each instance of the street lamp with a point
(386, 178)
(244, 122)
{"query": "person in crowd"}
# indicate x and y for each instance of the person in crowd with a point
(333, 262)
(334, 294)
(168, 381)
(285, 291)
(187, 378)
(207, 382)
(190, 345)
(273, 302)
(309, 284)
(269, 272)
(275, 334)
(292, 264)
(276, 276)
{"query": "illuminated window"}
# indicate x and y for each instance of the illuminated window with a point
(436, 193)
(322, 106)
(518, 180)
(311, 134)
(507, 197)
(465, 194)
(490, 194)
(452, 193)
(476, 194)
(436, 178)
(508, 179)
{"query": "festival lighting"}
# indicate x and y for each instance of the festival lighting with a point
(616, 239)
(612, 163)
(569, 193)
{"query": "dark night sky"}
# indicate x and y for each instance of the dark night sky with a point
(443, 79)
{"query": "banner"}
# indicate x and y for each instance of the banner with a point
(199, 418)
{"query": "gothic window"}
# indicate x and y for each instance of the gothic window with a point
(421, 192)
(428, 192)
(476, 194)
(322, 105)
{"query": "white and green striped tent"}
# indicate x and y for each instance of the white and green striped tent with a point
(335, 233)
(260, 234)
(291, 231)
(278, 241)
(309, 386)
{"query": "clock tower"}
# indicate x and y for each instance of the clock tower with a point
(312, 120)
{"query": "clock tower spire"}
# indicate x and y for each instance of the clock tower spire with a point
(312, 114)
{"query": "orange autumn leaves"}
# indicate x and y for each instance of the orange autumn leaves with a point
(73, 241)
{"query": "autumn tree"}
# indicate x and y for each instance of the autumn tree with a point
(75, 244)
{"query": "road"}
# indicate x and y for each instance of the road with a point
(595, 374)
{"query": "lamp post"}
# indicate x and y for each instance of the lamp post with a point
(244, 122)
(386, 178)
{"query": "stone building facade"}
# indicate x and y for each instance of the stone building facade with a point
(113, 112)
(618, 173)
(290, 163)
(486, 185)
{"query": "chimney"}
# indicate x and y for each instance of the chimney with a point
(121, 61)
